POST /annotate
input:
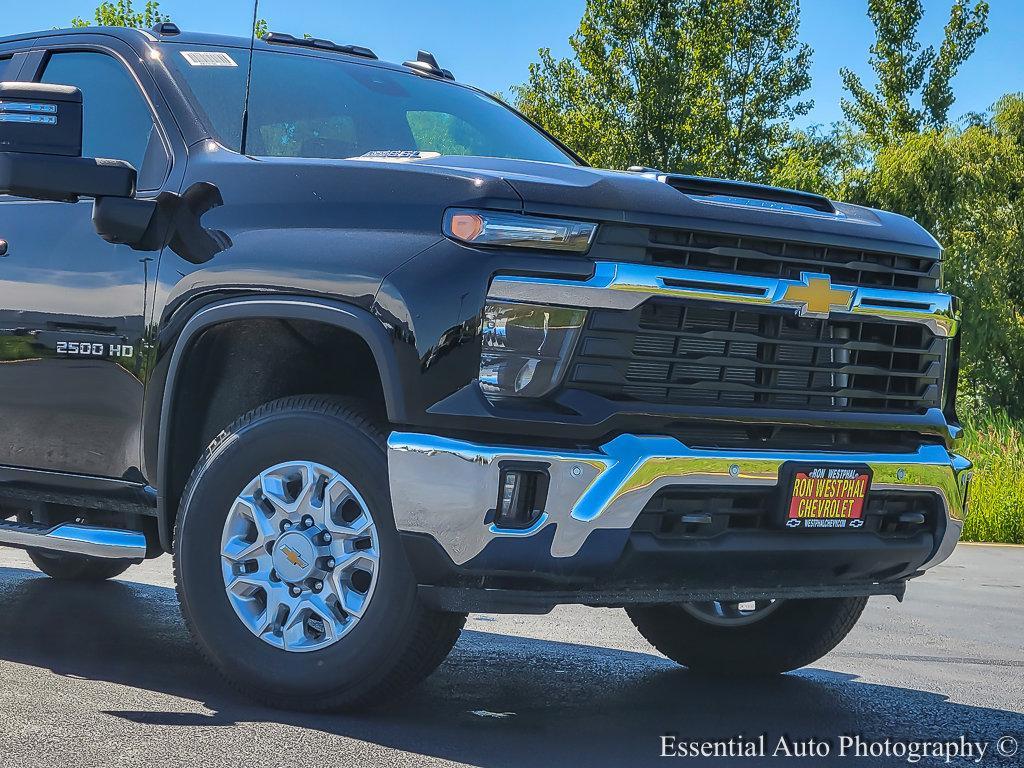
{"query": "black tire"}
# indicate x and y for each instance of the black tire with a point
(395, 645)
(63, 567)
(795, 634)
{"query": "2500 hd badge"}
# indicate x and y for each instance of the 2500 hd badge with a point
(95, 349)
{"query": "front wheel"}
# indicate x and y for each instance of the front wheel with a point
(291, 575)
(747, 639)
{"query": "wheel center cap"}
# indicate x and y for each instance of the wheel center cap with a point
(294, 557)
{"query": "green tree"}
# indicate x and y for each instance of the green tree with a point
(766, 70)
(123, 14)
(966, 186)
(833, 162)
(682, 85)
(906, 72)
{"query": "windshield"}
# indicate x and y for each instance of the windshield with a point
(318, 107)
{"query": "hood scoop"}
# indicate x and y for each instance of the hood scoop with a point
(726, 192)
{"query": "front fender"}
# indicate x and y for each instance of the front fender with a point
(162, 390)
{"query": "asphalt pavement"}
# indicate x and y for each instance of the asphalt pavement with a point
(105, 674)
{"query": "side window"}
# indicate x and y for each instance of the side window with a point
(6, 68)
(117, 122)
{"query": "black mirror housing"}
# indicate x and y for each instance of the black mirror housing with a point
(64, 179)
(41, 148)
(40, 118)
(122, 221)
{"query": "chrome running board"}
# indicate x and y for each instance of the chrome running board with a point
(107, 543)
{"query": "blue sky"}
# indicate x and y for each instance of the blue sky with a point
(491, 43)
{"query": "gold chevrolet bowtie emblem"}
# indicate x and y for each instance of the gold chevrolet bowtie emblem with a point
(293, 557)
(814, 296)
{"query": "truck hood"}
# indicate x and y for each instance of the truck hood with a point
(647, 200)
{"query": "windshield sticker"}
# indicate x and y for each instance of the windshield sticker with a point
(396, 155)
(208, 59)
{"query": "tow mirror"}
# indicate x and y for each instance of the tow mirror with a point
(41, 159)
(41, 148)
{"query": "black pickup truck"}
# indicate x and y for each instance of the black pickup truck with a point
(366, 350)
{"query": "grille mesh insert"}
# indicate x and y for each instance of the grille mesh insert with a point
(671, 351)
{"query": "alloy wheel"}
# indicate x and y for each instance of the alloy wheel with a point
(300, 556)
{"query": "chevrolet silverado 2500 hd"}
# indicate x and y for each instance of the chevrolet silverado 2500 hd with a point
(366, 350)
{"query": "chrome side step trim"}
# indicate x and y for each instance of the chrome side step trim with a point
(625, 286)
(107, 543)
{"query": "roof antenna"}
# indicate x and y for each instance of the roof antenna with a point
(166, 29)
(248, 77)
(425, 62)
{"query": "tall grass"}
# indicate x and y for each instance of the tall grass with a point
(995, 443)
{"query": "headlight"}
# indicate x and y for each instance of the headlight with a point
(526, 348)
(513, 230)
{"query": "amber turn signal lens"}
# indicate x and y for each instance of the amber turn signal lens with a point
(466, 226)
(515, 230)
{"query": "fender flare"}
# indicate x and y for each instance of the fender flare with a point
(339, 314)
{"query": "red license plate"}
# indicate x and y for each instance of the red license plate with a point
(827, 497)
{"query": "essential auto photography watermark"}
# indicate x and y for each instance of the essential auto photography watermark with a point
(962, 749)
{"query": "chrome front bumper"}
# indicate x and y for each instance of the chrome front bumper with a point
(444, 487)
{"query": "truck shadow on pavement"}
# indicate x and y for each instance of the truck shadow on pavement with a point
(497, 701)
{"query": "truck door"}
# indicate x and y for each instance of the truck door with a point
(72, 307)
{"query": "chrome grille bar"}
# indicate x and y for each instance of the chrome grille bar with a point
(623, 286)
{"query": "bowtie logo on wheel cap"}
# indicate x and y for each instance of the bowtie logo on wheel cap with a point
(814, 296)
(294, 557)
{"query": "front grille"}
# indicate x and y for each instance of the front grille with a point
(770, 258)
(673, 352)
